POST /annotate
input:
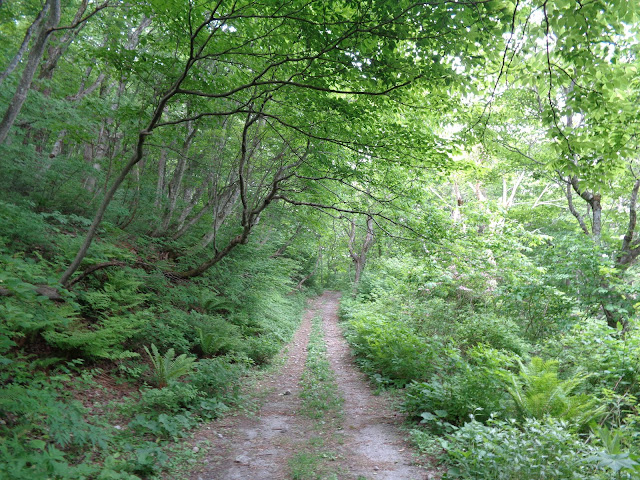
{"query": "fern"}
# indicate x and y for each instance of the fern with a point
(168, 367)
(213, 303)
(217, 336)
(537, 392)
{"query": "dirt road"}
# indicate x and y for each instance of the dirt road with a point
(363, 441)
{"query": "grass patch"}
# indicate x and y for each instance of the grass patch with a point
(322, 403)
(320, 397)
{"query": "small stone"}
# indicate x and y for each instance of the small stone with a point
(242, 460)
(195, 449)
(287, 392)
(376, 468)
(220, 435)
(117, 427)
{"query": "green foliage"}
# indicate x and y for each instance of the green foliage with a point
(488, 329)
(168, 367)
(26, 313)
(613, 457)
(473, 388)
(538, 392)
(20, 226)
(149, 458)
(36, 460)
(218, 377)
(219, 337)
(393, 350)
(611, 358)
(43, 429)
(120, 293)
(172, 328)
(172, 398)
(261, 350)
(163, 426)
(540, 449)
(106, 338)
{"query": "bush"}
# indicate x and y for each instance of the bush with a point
(168, 368)
(538, 392)
(261, 349)
(171, 328)
(105, 338)
(22, 227)
(610, 357)
(171, 399)
(476, 387)
(393, 350)
(217, 377)
(163, 425)
(540, 449)
(491, 330)
(217, 336)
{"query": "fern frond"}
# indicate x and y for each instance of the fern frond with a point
(168, 367)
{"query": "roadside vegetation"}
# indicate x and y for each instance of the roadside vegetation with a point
(99, 383)
(493, 392)
(176, 177)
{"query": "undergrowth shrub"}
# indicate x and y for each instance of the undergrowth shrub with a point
(26, 314)
(537, 450)
(261, 349)
(610, 357)
(393, 350)
(170, 399)
(105, 338)
(171, 328)
(42, 430)
(111, 319)
(168, 367)
(489, 329)
(218, 377)
(24, 228)
(537, 392)
(163, 425)
(474, 386)
(216, 336)
(438, 317)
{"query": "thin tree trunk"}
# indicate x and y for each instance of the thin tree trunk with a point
(160, 187)
(360, 259)
(628, 251)
(456, 215)
(33, 60)
(575, 212)
(25, 43)
(223, 208)
(135, 158)
(312, 272)
(176, 183)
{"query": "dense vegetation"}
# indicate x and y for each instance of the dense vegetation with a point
(175, 177)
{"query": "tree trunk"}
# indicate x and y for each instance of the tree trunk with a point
(160, 187)
(25, 43)
(176, 182)
(33, 60)
(360, 259)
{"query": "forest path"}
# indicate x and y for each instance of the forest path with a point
(360, 441)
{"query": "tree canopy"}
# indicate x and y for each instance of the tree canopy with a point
(175, 174)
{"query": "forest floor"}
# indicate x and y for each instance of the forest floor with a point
(350, 434)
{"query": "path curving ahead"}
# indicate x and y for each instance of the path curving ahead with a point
(260, 447)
